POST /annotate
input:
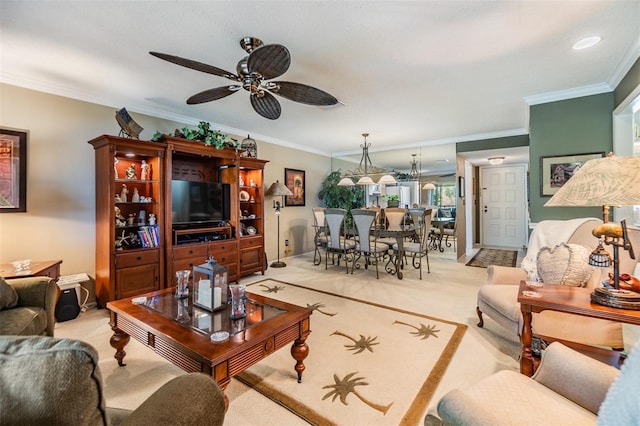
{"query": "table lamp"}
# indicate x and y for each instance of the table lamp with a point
(279, 190)
(608, 181)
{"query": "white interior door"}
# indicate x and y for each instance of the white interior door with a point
(503, 208)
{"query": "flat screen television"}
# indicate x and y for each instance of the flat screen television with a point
(199, 203)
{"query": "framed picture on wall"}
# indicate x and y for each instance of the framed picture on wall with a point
(13, 171)
(555, 171)
(294, 180)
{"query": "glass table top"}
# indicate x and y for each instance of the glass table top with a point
(208, 323)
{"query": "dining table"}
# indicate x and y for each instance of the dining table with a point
(440, 222)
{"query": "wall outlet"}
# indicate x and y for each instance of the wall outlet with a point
(286, 243)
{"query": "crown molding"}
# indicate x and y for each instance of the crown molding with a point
(624, 64)
(561, 95)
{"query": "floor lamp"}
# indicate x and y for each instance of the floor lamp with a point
(278, 189)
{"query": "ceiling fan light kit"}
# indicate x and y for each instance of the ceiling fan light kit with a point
(264, 62)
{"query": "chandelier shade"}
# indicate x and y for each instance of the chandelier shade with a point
(387, 180)
(345, 181)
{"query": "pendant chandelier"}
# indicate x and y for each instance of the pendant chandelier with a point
(365, 168)
(414, 174)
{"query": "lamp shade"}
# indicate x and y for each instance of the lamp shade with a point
(428, 186)
(387, 180)
(608, 181)
(365, 180)
(278, 189)
(345, 181)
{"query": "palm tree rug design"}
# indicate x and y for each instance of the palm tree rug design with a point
(367, 364)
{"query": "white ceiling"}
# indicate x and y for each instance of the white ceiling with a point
(412, 74)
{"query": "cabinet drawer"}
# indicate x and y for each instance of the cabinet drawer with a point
(198, 251)
(142, 257)
(247, 242)
(225, 252)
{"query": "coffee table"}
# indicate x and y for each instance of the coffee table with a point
(180, 332)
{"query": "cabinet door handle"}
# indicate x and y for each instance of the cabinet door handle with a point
(139, 258)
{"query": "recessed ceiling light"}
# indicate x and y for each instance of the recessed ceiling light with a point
(587, 42)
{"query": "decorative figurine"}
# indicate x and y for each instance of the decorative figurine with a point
(252, 183)
(152, 219)
(120, 220)
(115, 166)
(123, 193)
(131, 171)
(241, 181)
(144, 170)
(135, 198)
(130, 219)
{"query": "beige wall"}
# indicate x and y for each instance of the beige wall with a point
(59, 222)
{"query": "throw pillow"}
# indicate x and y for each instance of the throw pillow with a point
(47, 380)
(8, 295)
(566, 264)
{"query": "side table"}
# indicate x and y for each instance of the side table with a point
(47, 268)
(561, 298)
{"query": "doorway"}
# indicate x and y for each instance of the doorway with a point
(503, 206)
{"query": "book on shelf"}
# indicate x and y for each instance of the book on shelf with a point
(149, 236)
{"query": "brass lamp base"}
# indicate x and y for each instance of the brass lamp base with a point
(623, 299)
(278, 264)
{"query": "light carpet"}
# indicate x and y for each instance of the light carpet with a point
(367, 364)
(486, 256)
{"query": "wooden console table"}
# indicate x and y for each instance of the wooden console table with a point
(47, 268)
(561, 298)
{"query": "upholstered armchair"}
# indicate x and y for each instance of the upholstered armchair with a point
(567, 389)
(498, 298)
(27, 306)
(46, 380)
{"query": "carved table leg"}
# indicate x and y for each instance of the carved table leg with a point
(118, 341)
(299, 351)
(526, 359)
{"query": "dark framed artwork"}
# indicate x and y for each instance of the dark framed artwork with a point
(294, 180)
(555, 171)
(13, 171)
(461, 186)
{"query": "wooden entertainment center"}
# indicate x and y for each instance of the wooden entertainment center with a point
(134, 181)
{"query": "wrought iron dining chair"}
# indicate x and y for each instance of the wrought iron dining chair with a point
(337, 242)
(320, 236)
(394, 217)
(450, 232)
(420, 249)
(366, 240)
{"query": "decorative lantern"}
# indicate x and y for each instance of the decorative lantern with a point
(250, 147)
(210, 285)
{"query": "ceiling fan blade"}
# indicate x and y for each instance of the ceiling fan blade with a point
(270, 60)
(267, 105)
(213, 94)
(195, 65)
(302, 93)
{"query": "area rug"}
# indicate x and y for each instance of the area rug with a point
(367, 364)
(486, 257)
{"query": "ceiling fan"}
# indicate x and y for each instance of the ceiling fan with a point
(253, 72)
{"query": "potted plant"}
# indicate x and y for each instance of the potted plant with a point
(342, 197)
(203, 133)
(393, 200)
